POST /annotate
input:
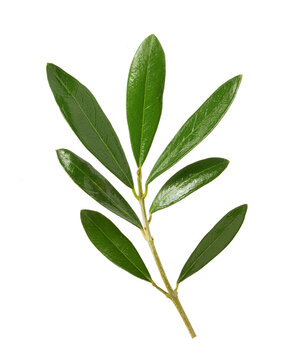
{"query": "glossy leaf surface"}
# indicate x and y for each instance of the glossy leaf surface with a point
(187, 180)
(88, 121)
(214, 242)
(197, 127)
(96, 185)
(144, 96)
(107, 238)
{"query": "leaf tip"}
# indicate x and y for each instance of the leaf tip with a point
(49, 67)
(239, 78)
(51, 72)
(152, 36)
(58, 152)
(242, 210)
(62, 154)
(244, 207)
(225, 162)
(83, 213)
(235, 82)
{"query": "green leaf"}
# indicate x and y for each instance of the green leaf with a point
(107, 238)
(88, 121)
(144, 96)
(95, 185)
(214, 242)
(197, 127)
(187, 180)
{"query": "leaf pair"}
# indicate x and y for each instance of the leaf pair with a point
(107, 238)
(144, 105)
(92, 127)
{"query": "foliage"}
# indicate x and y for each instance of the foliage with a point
(144, 106)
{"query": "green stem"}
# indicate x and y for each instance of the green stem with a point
(171, 293)
(158, 287)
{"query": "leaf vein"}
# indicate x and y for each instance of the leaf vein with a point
(144, 99)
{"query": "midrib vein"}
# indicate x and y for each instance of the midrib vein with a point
(144, 98)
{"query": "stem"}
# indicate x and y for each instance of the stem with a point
(171, 293)
(158, 287)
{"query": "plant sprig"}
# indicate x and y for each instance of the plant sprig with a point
(144, 106)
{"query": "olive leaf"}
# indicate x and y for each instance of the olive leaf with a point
(108, 239)
(96, 185)
(89, 123)
(197, 127)
(214, 242)
(144, 96)
(186, 181)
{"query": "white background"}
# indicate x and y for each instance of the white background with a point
(60, 298)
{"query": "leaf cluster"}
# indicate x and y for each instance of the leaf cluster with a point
(144, 106)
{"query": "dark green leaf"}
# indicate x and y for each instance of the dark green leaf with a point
(95, 185)
(187, 180)
(88, 121)
(197, 127)
(214, 242)
(107, 238)
(144, 96)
